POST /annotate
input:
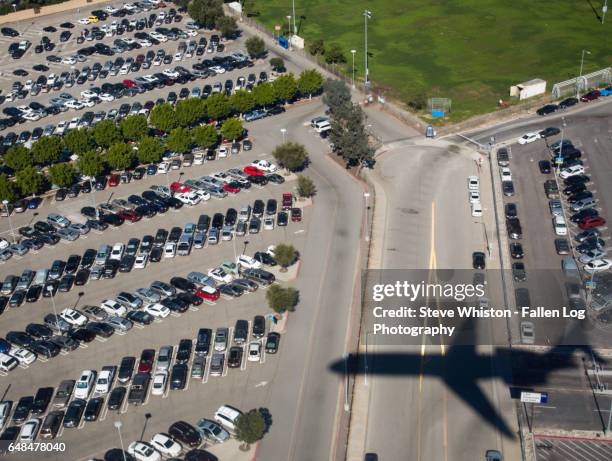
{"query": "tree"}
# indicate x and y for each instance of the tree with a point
(134, 127)
(264, 94)
(310, 82)
(206, 12)
(29, 180)
(291, 155)
(120, 156)
(189, 111)
(349, 136)
(18, 158)
(91, 163)
(227, 26)
(316, 47)
(106, 133)
(77, 141)
(242, 101)
(150, 150)
(162, 117)
(62, 174)
(285, 87)
(232, 128)
(250, 427)
(179, 140)
(205, 136)
(336, 95)
(285, 255)
(255, 47)
(8, 189)
(47, 150)
(282, 299)
(305, 187)
(277, 62)
(218, 106)
(335, 55)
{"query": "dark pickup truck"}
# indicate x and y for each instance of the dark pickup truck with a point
(139, 388)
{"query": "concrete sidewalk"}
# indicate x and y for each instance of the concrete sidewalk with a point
(230, 451)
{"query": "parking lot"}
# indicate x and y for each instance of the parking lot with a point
(562, 449)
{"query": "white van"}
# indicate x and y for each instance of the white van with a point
(227, 416)
(321, 125)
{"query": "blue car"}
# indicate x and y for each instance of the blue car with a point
(5, 346)
(151, 170)
(136, 200)
(606, 91)
(34, 203)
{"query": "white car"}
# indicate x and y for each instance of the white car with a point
(61, 127)
(160, 382)
(189, 198)
(104, 382)
(87, 103)
(157, 36)
(505, 173)
(145, 43)
(222, 153)
(198, 158)
(157, 310)
(248, 262)
(69, 60)
(29, 430)
(170, 73)
(23, 356)
(74, 123)
(170, 250)
(217, 69)
(192, 33)
(73, 317)
(84, 21)
(476, 210)
(117, 251)
(528, 138)
(85, 384)
(219, 275)
(474, 196)
(112, 307)
(143, 451)
(254, 351)
(598, 265)
(166, 445)
(202, 194)
(110, 9)
(264, 165)
(560, 225)
(222, 177)
(473, 183)
(88, 94)
(163, 168)
(268, 223)
(106, 97)
(74, 104)
(141, 260)
(571, 171)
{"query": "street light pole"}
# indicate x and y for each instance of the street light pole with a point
(50, 290)
(580, 76)
(290, 35)
(118, 425)
(8, 214)
(294, 26)
(604, 10)
(353, 53)
(366, 195)
(366, 15)
(284, 132)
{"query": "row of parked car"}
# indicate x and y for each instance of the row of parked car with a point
(66, 330)
(589, 96)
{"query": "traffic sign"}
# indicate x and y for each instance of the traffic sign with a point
(534, 397)
(558, 160)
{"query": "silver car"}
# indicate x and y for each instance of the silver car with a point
(201, 279)
(221, 336)
(18, 249)
(164, 358)
(119, 323)
(68, 234)
(527, 333)
(82, 229)
(163, 288)
(148, 295)
(210, 430)
(129, 300)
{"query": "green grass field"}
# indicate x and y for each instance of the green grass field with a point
(467, 50)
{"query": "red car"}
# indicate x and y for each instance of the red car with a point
(231, 187)
(209, 293)
(287, 201)
(114, 179)
(130, 216)
(129, 83)
(296, 214)
(146, 361)
(179, 187)
(591, 96)
(590, 222)
(253, 171)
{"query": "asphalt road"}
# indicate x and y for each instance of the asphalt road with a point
(428, 225)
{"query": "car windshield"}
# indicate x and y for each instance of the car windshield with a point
(82, 385)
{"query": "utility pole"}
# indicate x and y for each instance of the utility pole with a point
(294, 26)
(604, 10)
(290, 35)
(353, 53)
(366, 15)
